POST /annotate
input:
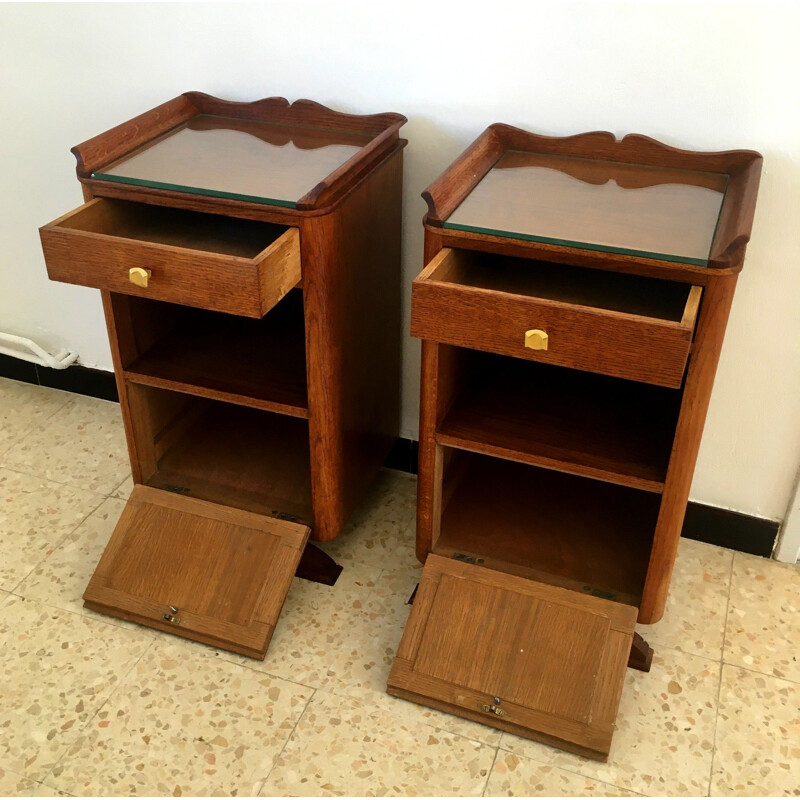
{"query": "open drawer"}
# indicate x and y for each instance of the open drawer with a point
(199, 570)
(239, 266)
(590, 319)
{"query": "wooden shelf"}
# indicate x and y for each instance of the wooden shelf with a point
(237, 457)
(556, 528)
(586, 424)
(257, 363)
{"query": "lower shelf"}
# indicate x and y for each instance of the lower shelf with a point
(232, 455)
(556, 528)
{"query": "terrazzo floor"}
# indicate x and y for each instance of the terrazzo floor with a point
(93, 706)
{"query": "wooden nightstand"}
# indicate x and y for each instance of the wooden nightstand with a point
(572, 311)
(248, 256)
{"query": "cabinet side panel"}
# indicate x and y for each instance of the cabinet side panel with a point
(351, 287)
(429, 467)
(428, 484)
(123, 349)
(714, 312)
(441, 377)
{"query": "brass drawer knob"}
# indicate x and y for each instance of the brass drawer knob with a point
(139, 276)
(536, 339)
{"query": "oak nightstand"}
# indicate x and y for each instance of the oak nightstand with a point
(571, 311)
(248, 256)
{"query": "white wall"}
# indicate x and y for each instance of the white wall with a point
(705, 76)
(787, 548)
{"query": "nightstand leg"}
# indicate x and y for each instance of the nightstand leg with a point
(641, 654)
(317, 566)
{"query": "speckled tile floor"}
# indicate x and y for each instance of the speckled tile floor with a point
(94, 706)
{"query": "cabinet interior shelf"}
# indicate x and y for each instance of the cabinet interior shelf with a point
(556, 528)
(252, 362)
(579, 422)
(227, 454)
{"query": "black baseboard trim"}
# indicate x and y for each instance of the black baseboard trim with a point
(702, 523)
(17, 369)
(77, 378)
(730, 529)
(403, 456)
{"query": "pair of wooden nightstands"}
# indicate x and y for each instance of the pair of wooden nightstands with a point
(572, 309)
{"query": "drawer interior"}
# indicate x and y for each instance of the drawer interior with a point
(256, 362)
(560, 529)
(228, 454)
(177, 227)
(592, 288)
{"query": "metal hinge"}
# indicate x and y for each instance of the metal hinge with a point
(172, 616)
(493, 708)
(467, 559)
(606, 595)
(284, 516)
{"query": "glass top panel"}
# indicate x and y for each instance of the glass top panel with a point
(655, 212)
(238, 159)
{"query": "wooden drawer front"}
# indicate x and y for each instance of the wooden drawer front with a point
(204, 260)
(640, 328)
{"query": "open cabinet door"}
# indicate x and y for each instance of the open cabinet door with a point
(536, 660)
(206, 572)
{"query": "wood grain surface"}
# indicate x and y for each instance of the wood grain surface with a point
(351, 291)
(224, 453)
(743, 167)
(206, 261)
(578, 422)
(553, 527)
(381, 130)
(259, 363)
(713, 319)
(559, 199)
(351, 319)
(226, 571)
(593, 338)
(552, 661)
